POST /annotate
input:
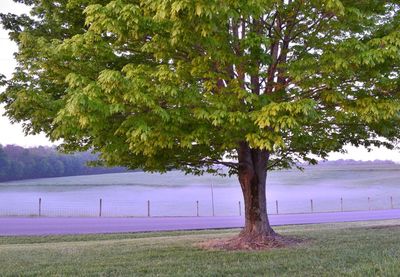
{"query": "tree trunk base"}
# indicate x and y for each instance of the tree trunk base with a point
(246, 241)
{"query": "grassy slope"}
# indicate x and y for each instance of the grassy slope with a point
(372, 173)
(353, 249)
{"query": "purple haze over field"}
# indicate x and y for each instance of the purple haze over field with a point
(175, 194)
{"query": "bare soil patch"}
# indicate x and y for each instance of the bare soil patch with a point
(382, 227)
(239, 243)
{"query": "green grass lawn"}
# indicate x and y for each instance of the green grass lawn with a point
(352, 249)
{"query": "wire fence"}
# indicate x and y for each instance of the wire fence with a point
(104, 207)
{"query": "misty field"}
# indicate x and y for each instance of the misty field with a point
(175, 194)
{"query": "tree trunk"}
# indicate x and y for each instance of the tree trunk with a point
(257, 233)
(252, 177)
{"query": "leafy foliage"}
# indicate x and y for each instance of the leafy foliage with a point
(161, 84)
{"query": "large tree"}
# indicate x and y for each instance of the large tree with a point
(193, 85)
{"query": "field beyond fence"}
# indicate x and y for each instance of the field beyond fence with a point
(139, 194)
(103, 207)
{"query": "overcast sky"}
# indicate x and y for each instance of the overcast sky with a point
(13, 134)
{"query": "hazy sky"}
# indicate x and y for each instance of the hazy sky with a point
(13, 134)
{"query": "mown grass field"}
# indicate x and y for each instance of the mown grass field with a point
(345, 249)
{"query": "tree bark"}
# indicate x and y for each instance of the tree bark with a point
(252, 177)
(257, 233)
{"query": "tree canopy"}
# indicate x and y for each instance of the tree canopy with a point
(161, 84)
(177, 84)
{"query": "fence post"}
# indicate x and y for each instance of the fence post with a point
(240, 209)
(277, 206)
(391, 202)
(148, 208)
(369, 203)
(100, 207)
(197, 207)
(212, 199)
(312, 206)
(341, 204)
(40, 206)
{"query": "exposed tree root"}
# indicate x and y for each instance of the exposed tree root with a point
(250, 242)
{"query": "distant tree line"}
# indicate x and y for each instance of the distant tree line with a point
(18, 163)
(355, 162)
